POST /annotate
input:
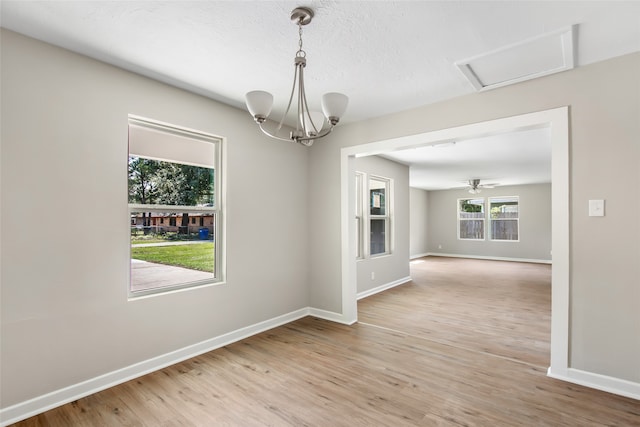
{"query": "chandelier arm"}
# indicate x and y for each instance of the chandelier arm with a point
(300, 121)
(272, 135)
(293, 89)
(311, 138)
(305, 108)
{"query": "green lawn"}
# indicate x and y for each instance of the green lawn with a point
(137, 241)
(196, 257)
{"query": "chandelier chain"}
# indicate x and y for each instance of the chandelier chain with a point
(300, 53)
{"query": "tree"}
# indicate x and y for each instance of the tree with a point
(466, 206)
(166, 183)
(184, 185)
(142, 184)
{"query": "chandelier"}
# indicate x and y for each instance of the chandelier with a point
(310, 125)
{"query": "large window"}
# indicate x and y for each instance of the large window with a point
(471, 216)
(504, 218)
(378, 216)
(174, 207)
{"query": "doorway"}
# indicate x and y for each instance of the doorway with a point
(558, 122)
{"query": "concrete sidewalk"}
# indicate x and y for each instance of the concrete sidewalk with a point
(149, 275)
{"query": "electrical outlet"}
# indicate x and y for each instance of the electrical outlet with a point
(439, 246)
(373, 276)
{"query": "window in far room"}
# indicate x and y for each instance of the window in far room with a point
(504, 218)
(379, 215)
(471, 216)
(359, 215)
(373, 215)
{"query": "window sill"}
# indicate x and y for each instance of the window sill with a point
(135, 296)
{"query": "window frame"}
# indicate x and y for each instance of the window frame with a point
(483, 219)
(517, 219)
(363, 215)
(217, 210)
(386, 217)
(360, 178)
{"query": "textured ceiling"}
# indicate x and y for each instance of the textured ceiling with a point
(387, 56)
(513, 158)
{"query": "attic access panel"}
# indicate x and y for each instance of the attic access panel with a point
(536, 57)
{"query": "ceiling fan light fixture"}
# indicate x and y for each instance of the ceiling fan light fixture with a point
(475, 187)
(309, 125)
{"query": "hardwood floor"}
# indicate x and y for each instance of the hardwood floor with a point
(501, 308)
(464, 344)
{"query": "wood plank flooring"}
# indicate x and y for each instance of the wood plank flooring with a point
(501, 308)
(464, 344)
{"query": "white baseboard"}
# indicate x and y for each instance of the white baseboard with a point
(492, 258)
(419, 255)
(384, 287)
(599, 382)
(26, 409)
(29, 408)
(330, 315)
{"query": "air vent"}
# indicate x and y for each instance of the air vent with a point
(536, 57)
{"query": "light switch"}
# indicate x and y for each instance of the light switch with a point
(596, 207)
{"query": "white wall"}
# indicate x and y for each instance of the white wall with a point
(394, 266)
(604, 157)
(65, 313)
(535, 224)
(418, 219)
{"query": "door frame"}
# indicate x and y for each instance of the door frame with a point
(557, 120)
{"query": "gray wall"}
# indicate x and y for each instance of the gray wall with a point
(418, 219)
(64, 310)
(604, 100)
(535, 224)
(65, 314)
(395, 266)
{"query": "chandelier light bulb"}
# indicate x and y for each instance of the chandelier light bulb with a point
(315, 125)
(334, 105)
(259, 104)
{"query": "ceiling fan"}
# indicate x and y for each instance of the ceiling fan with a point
(475, 187)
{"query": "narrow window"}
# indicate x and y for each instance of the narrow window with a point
(379, 215)
(173, 173)
(504, 218)
(471, 216)
(359, 213)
